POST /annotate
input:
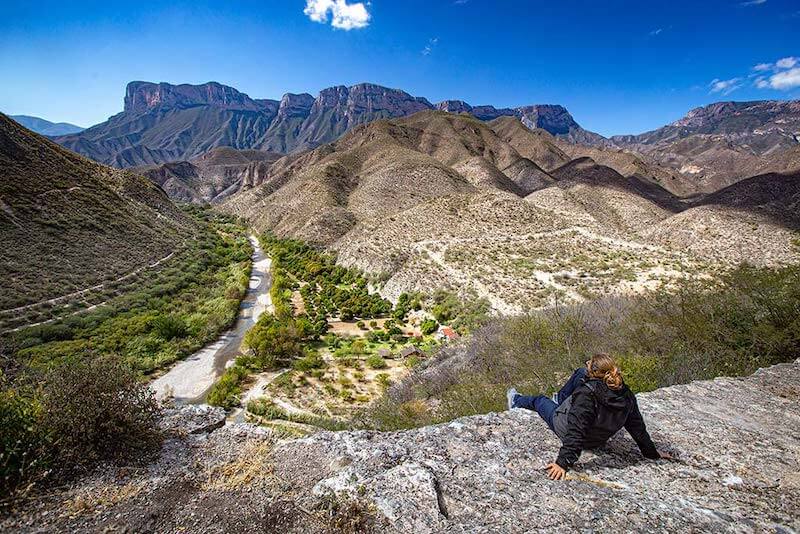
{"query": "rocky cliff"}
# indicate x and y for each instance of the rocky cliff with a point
(736, 444)
(163, 123)
(146, 96)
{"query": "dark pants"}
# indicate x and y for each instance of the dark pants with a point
(544, 406)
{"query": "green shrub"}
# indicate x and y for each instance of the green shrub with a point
(411, 362)
(264, 407)
(226, 391)
(98, 410)
(309, 362)
(383, 380)
(274, 341)
(23, 443)
(376, 362)
(428, 327)
(169, 327)
(463, 315)
(642, 373)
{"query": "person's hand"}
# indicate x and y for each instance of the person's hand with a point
(665, 455)
(555, 472)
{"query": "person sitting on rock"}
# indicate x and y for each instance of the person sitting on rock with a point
(591, 407)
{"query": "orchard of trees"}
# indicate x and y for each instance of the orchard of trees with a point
(327, 289)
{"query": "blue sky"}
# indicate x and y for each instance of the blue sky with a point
(619, 67)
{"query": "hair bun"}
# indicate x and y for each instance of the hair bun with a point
(613, 378)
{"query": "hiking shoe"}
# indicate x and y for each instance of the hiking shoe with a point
(511, 395)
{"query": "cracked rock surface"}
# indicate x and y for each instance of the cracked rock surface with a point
(737, 467)
(736, 444)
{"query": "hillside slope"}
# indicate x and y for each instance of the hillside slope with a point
(67, 223)
(211, 177)
(381, 169)
(755, 220)
(719, 144)
(441, 201)
(732, 472)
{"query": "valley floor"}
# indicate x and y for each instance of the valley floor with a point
(190, 379)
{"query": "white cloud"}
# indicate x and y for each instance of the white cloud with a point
(786, 63)
(725, 86)
(430, 46)
(788, 79)
(343, 15)
(656, 31)
(782, 75)
(753, 3)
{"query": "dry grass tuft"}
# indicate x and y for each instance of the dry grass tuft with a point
(252, 464)
(91, 499)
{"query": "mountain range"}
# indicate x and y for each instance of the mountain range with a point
(722, 143)
(45, 127)
(163, 123)
(175, 125)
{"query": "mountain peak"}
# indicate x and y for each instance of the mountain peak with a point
(145, 96)
(454, 106)
(295, 105)
(551, 117)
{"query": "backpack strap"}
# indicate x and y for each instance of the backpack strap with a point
(591, 385)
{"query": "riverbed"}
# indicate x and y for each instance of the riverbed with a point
(190, 380)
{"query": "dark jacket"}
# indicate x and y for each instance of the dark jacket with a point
(592, 414)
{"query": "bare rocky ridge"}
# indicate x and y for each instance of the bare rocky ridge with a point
(736, 469)
(721, 143)
(213, 176)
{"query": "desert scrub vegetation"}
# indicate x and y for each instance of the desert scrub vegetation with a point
(165, 317)
(747, 318)
(465, 315)
(71, 417)
(266, 409)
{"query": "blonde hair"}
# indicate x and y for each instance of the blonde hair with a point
(604, 367)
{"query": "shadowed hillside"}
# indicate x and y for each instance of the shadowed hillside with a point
(67, 223)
